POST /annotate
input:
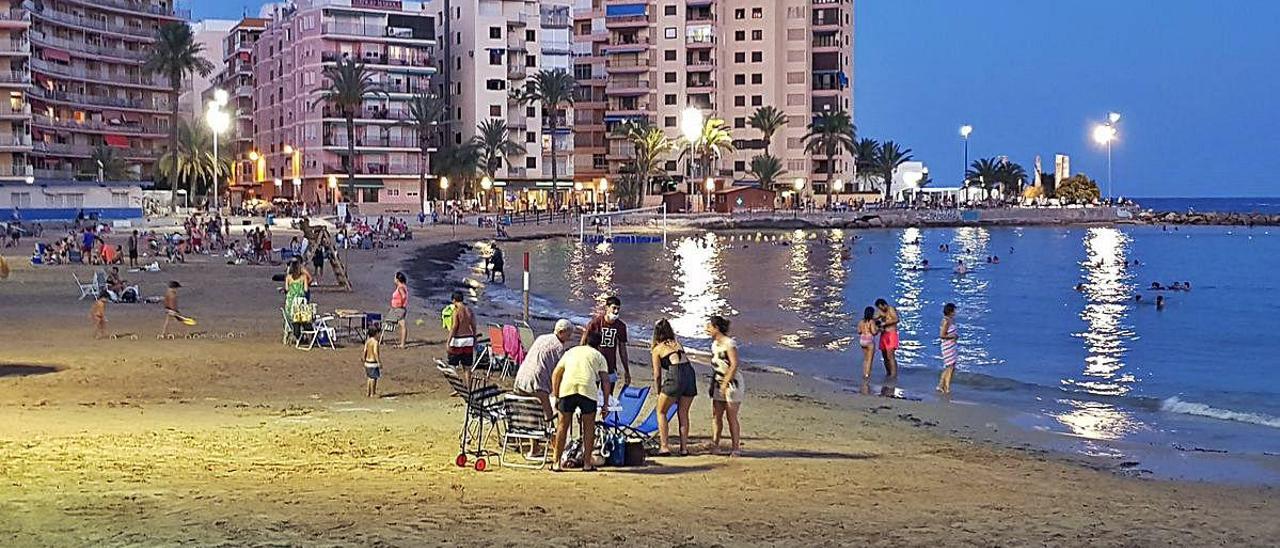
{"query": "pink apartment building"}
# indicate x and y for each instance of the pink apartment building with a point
(298, 148)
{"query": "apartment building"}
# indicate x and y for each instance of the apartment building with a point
(650, 60)
(15, 80)
(84, 80)
(235, 76)
(209, 34)
(497, 46)
(298, 148)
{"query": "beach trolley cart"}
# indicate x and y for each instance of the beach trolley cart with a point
(482, 418)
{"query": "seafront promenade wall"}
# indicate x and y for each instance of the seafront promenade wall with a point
(910, 217)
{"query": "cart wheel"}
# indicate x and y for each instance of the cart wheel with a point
(461, 461)
(481, 464)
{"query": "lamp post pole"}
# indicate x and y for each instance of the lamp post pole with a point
(965, 130)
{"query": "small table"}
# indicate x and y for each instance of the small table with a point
(349, 318)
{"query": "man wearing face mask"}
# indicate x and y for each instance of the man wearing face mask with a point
(613, 339)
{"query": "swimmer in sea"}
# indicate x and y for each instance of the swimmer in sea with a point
(995, 259)
(961, 269)
(1159, 302)
(1080, 288)
(924, 264)
(1155, 286)
(1137, 299)
(1177, 286)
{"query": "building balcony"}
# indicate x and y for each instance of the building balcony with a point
(700, 85)
(14, 78)
(382, 59)
(630, 86)
(626, 45)
(15, 48)
(76, 99)
(339, 28)
(556, 21)
(700, 65)
(823, 21)
(55, 174)
(335, 142)
(136, 32)
(626, 22)
(101, 76)
(519, 72)
(75, 46)
(15, 18)
(699, 41)
(372, 169)
(827, 43)
(624, 64)
(10, 111)
(93, 126)
(86, 151)
(17, 170)
(15, 143)
(520, 20)
(140, 8)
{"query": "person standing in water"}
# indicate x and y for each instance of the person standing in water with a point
(950, 338)
(727, 388)
(867, 331)
(887, 317)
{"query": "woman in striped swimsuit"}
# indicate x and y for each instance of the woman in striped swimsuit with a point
(950, 337)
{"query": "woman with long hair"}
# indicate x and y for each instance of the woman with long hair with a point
(674, 376)
(727, 388)
(868, 329)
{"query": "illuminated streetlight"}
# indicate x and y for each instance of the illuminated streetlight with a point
(799, 184)
(1104, 134)
(333, 181)
(691, 124)
(486, 183)
(218, 121)
(288, 149)
(838, 186)
(965, 130)
(578, 186)
(1113, 117)
(604, 185)
(220, 97)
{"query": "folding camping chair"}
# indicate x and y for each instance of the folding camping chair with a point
(493, 356)
(632, 400)
(483, 415)
(87, 289)
(318, 333)
(288, 328)
(526, 422)
(526, 335)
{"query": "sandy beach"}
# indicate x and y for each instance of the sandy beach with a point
(236, 440)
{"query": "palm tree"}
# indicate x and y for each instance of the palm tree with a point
(768, 120)
(1012, 178)
(984, 173)
(552, 90)
(459, 163)
(713, 142)
(193, 158)
(104, 160)
(767, 169)
(347, 85)
(888, 158)
(494, 144)
(426, 112)
(651, 149)
(176, 55)
(829, 133)
(864, 158)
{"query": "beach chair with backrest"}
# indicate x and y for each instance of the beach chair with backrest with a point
(497, 351)
(526, 335)
(288, 327)
(86, 289)
(525, 423)
(481, 418)
(514, 346)
(631, 400)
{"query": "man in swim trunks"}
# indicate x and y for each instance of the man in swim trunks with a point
(887, 316)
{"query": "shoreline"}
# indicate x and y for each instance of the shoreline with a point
(1137, 457)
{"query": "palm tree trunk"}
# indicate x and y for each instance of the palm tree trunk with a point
(422, 181)
(888, 185)
(831, 172)
(173, 141)
(351, 158)
(555, 189)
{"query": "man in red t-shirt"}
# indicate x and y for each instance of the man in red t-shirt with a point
(613, 339)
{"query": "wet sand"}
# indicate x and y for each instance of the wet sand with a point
(243, 441)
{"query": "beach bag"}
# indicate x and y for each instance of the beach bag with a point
(635, 454)
(572, 457)
(614, 450)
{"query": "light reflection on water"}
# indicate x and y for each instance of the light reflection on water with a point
(699, 278)
(1107, 285)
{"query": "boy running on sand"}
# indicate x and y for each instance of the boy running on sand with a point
(98, 313)
(372, 367)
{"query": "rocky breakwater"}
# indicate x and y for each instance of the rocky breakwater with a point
(1207, 218)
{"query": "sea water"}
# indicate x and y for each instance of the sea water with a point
(1052, 330)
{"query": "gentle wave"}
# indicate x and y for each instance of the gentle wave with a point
(1175, 405)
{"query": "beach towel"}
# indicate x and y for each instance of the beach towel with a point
(512, 345)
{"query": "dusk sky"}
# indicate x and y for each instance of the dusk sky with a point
(1196, 82)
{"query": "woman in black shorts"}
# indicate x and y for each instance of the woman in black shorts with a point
(674, 376)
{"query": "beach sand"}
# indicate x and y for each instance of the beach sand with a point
(241, 441)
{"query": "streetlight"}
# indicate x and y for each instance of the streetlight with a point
(710, 186)
(218, 121)
(485, 184)
(965, 130)
(799, 186)
(444, 188)
(333, 188)
(604, 189)
(691, 121)
(838, 185)
(297, 188)
(30, 180)
(1104, 134)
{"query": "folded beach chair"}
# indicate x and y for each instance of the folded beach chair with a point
(484, 411)
(525, 423)
(631, 400)
(526, 335)
(513, 345)
(496, 354)
(86, 289)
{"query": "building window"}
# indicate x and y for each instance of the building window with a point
(530, 111)
(740, 57)
(495, 58)
(669, 10)
(739, 13)
(757, 100)
(757, 35)
(740, 100)
(757, 13)
(757, 57)
(669, 99)
(530, 136)
(670, 55)
(669, 32)
(494, 84)
(757, 78)
(669, 121)
(531, 162)
(739, 122)
(531, 35)
(495, 111)
(739, 165)
(669, 77)
(739, 79)
(739, 35)
(495, 32)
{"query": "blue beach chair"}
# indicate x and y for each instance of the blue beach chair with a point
(632, 401)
